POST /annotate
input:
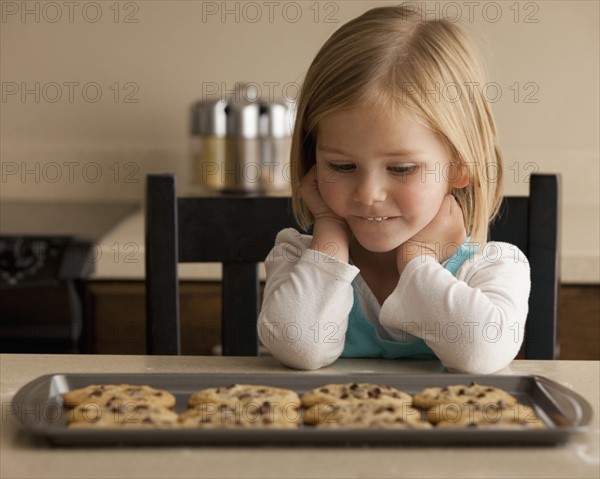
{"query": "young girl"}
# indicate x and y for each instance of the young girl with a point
(397, 168)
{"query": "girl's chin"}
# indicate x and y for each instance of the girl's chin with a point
(382, 238)
(377, 246)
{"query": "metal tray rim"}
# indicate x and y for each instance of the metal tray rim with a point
(61, 436)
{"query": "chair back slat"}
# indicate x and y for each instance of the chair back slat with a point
(231, 229)
(510, 225)
(240, 309)
(162, 286)
(543, 255)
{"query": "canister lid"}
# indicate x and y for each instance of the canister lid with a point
(209, 118)
(275, 120)
(243, 118)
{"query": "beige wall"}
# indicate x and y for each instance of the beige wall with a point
(150, 59)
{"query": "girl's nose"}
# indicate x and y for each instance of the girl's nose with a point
(369, 190)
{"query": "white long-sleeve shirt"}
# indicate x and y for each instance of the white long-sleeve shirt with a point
(474, 322)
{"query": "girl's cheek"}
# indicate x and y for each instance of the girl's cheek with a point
(421, 202)
(327, 178)
(328, 193)
(426, 191)
(332, 194)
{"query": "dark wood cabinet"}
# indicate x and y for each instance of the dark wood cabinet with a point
(579, 322)
(115, 319)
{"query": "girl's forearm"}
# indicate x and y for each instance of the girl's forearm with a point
(298, 322)
(331, 237)
(474, 321)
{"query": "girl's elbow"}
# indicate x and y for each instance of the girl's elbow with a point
(311, 363)
(495, 346)
(480, 365)
(298, 358)
(484, 358)
(297, 354)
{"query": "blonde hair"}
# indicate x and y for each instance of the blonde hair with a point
(394, 57)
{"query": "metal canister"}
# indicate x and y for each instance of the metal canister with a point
(208, 130)
(275, 144)
(243, 169)
(241, 145)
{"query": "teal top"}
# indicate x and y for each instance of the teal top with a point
(363, 340)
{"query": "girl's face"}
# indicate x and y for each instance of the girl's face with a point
(385, 175)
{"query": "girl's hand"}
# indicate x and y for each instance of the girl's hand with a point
(440, 239)
(309, 191)
(331, 233)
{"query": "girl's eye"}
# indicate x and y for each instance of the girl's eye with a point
(341, 166)
(403, 170)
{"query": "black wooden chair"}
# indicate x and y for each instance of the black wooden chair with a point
(239, 232)
(532, 223)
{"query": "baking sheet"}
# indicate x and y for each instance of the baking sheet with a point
(38, 406)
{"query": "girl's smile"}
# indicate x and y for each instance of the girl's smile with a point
(378, 219)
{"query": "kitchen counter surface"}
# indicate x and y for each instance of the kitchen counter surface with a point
(26, 457)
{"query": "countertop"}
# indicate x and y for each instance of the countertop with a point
(119, 255)
(26, 457)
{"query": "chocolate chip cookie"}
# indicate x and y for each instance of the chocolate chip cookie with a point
(104, 394)
(365, 415)
(355, 393)
(250, 415)
(121, 415)
(244, 394)
(461, 394)
(490, 416)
